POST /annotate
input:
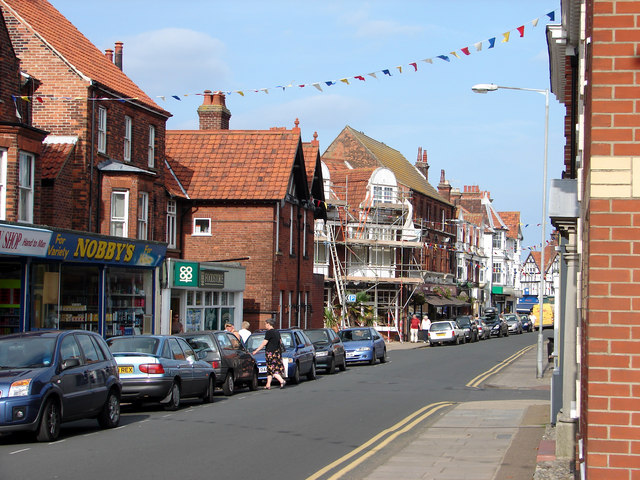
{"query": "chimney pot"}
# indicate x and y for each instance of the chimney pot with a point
(213, 112)
(118, 55)
(109, 54)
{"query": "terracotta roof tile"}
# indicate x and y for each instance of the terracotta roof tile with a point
(53, 157)
(52, 27)
(311, 151)
(512, 221)
(233, 164)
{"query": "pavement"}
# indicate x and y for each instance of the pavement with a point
(512, 439)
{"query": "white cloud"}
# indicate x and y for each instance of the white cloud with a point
(364, 26)
(175, 61)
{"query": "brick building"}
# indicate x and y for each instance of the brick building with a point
(248, 196)
(596, 207)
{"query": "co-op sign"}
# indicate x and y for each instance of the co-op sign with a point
(189, 274)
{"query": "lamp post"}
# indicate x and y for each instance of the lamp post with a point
(490, 87)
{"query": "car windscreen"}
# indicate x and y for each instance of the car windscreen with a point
(254, 341)
(440, 327)
(317, 336)
(287, 339)
(204, 343)
(134, 344)
(355, 335)
(463, 322)
(28, 352)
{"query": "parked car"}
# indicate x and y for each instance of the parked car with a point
(51, 377)
(497, 326)
(513, 323)
(329, 349)
(445, 331)
(363, 344)
(161, 368)
(484, 332)
(469, 327)
(298, 358)
(231, 361)
(527, 325)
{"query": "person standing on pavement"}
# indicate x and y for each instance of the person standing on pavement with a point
(414, 326)
(244, 331)
(272, 353)
(231, 329)
(425, 326)
(176, 325)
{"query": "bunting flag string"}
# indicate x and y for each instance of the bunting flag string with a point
(466, 51)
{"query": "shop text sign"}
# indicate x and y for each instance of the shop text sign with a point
(24, 241)
(211, 278)
(185, 274)
(83, 248)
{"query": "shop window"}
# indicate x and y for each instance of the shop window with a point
(3, 184)
(171, 224)
(102, 129)
(78, 306)
(10, 288)
(129, 301)
(119, 213)
(209, 310)
(151, 155)
(26, 183)
(128, 128)
(201, 226)
(143, 215)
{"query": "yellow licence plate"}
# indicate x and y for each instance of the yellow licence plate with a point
(125, 369)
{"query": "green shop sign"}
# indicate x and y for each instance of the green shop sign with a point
(185, 274)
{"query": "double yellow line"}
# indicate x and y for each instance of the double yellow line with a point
(393, 432)
(483, 376)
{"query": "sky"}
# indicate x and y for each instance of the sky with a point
(495, 141)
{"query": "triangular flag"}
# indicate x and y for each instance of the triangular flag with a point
(478, 46)
(317, 85)
(415, 66)
(330, 83)
(505, 36)
(176, 97)
(344, 80)
(240, 92)
(163, 98)
(428, 60)
(359, 77)
(455, 54)
(399, 67)
(521, 30)
(372, 74)
(386, 72)
(465, 50)
(266, 90)
(492, 42)
(552, 16)
(535, 22)
(25, 98)
(444, 57)
(40, 99)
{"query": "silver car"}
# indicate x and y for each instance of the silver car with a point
(161, 368)
(446, 331)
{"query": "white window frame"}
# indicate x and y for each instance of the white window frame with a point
(201, 227)
(304, 234)
(26, 172)
(3, 184)
(151, 154)
(143, 215)
(290, 307)
(291, 230)
(498, 273)
(128, 129)
(120, 220)
(171, 223)
(102, 130)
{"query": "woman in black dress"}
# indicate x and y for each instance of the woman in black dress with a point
(271, 344)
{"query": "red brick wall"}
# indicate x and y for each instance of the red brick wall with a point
(610, 380)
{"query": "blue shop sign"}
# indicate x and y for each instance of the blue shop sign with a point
(70, 247)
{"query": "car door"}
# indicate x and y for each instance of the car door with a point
(242, 358)
(199, 370)
(73, 380)
(96, 364)
(378, 343)
(305, 351)
(181, 366)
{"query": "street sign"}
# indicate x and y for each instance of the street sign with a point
(351, 298)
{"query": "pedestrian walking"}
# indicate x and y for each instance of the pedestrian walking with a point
(414, 326)
(244, 331)
(231, 329)
(425, 325)
(272, 353)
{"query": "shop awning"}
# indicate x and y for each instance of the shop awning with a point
(440, 301)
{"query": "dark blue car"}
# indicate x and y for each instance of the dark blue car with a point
(51, 377)
(299, 357)
(363, 344)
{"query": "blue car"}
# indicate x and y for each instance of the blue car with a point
(51, 377)
(363, 344)
(299, 357)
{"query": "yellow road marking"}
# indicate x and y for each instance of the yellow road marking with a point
(495, 369)
(423, 413)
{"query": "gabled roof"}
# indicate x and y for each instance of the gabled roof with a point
(311, 152)
(549, 257)
(55, 152)
(236, 164)
(384, 156)
(352, 185)
(171, 182)
(512, 221)
(51, 27)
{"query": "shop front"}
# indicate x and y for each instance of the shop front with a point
(74, 280)
(205, 295)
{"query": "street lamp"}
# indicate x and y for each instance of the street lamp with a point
(490, 87)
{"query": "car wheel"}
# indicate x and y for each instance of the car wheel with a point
(312, 373)
(253, 383)
(174, 401)
(228, 385)
(457, 341)
(49, 428)
(209, 393)
(332, 365)
(373, 358)
(343, 365)
(384, 359)
(109, 417)
(295, 378)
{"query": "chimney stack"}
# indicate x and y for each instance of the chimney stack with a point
(118, 56)
(421, 163)
(213, 112)
(444, 187)
(109, 54)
